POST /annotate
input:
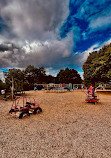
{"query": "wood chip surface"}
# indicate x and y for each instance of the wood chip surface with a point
(67, 128)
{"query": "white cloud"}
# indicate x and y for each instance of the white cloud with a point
(51, 71)
(81, 74)
(106, 42)
(48, 52)
(102, 22)
(2, 39)
(1, 76)
(80, 58)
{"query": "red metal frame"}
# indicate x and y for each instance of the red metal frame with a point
(92, 99)
(26, 106)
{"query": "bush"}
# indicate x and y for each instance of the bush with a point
(2, 86)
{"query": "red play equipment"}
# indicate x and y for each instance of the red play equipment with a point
(24, 106)
(91, 97)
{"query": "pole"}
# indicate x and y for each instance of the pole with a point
(12, 87)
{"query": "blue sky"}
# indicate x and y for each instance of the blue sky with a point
(54, 34)
(93, 20)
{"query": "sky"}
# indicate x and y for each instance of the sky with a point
(52, 33)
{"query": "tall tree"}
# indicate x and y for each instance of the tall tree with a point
(97, 67)
(68, 76)
(35, 75)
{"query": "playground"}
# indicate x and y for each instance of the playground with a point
(68, 127)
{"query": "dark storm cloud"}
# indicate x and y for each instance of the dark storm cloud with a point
(33, 19)
(7, 46)
(36, 22)
(34, 26)
(10, 55)
(48, 53)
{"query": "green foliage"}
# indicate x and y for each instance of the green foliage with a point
(49, 79)
(2, 85)
(18, 77)
(68, 76)
(35, 75)
(97, 67)
(25, 79)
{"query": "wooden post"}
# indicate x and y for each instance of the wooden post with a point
(12, 89)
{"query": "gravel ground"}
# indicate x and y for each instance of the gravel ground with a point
(67, 128)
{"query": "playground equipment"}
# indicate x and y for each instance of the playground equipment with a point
(28, 107)
(103, 86)
(91, 97)
(57, 88)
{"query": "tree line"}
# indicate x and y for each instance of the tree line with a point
(25, 79)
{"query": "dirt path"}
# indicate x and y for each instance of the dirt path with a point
(67, 128)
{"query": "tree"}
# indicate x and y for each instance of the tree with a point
(35, 75)
(97, 67)
(18, 77)
(49, 79)
(68, 76)
(30, 74)
(25, 79)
